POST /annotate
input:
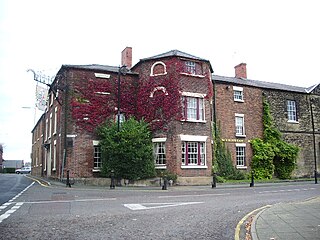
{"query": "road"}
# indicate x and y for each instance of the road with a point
(58, 212)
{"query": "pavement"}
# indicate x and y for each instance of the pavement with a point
(282, 221)
(289, 221)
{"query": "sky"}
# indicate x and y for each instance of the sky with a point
(279, 41)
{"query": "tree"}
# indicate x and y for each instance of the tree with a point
(128, 152)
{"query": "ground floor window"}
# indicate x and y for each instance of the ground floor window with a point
(97, 162)
(240, 155)
(159, 152)
(193, 153)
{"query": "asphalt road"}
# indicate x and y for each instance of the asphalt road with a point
(58, 212)
(11, 185)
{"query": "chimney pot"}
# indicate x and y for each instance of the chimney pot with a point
(241, 70)
(126, 57)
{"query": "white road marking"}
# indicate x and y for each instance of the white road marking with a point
(11, 201)
(9, 212)
(78, 200)
(288, 190)
(199, 195)
(146, 206)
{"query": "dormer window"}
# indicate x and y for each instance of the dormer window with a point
(238, 94)
(190, 67)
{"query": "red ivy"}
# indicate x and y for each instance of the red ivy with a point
(156, 99)
(91, 104)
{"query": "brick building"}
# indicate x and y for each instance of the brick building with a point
(295, 110)
(183, 145)
(179, 93)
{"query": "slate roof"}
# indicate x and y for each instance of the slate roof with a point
(176, 53)
(260, 84)
(96, 67)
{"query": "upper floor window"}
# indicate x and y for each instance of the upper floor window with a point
(238, 94)
(190, 67)
(193, 108)
(240, 131)
(158, 68)
(292, 111)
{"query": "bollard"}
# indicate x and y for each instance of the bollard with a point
(165, 183)
(252, 179)
(112, 186)
(214, 180)
(68, 179)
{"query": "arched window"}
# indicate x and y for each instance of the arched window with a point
(158, 68)
(160, 88)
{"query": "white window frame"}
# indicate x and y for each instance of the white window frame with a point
(158, 63)
(50, 126)
(96, 156)
(54, 155)
(238, 94)
(292, 111)
(47, 129)
(242, 132)
(156, 144)
(193, 112)
(190, 67)
(241, 158)
(55, 120)
(200, 151)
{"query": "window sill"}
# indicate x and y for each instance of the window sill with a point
(241, 136)
(241, 167)
(194, 121)
(192, 75)
(96, 170)
(160, 167)
(238, 100)
(193, 167)
(294, 122)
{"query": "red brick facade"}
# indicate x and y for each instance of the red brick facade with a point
(226, 109)
(70, 148)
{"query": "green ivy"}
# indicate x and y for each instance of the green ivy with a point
(272, 154)
(223, 164)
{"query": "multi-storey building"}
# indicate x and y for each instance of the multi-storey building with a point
(172, 91)
(181, 99)
(295, 111)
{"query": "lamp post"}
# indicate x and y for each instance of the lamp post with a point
(122, 70)
(314, 144)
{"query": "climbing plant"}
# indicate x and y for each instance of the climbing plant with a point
(272, 154)
(223, 164)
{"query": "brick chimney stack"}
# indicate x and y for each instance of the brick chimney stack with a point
(241, 70)
(126, 57)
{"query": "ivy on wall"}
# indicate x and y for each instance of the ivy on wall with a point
(155, 99)
(271, 154)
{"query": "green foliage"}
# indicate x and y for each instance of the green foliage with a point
(9, 170)
(167, 174)
(129, 152)
(223, 165)
(285, 159)
(262, 160)
(272, 154)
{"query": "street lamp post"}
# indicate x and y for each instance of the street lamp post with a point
(122, 70)
(314, 144)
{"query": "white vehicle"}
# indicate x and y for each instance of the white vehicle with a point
(26, 170)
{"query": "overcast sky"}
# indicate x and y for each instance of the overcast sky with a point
(279, 41)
